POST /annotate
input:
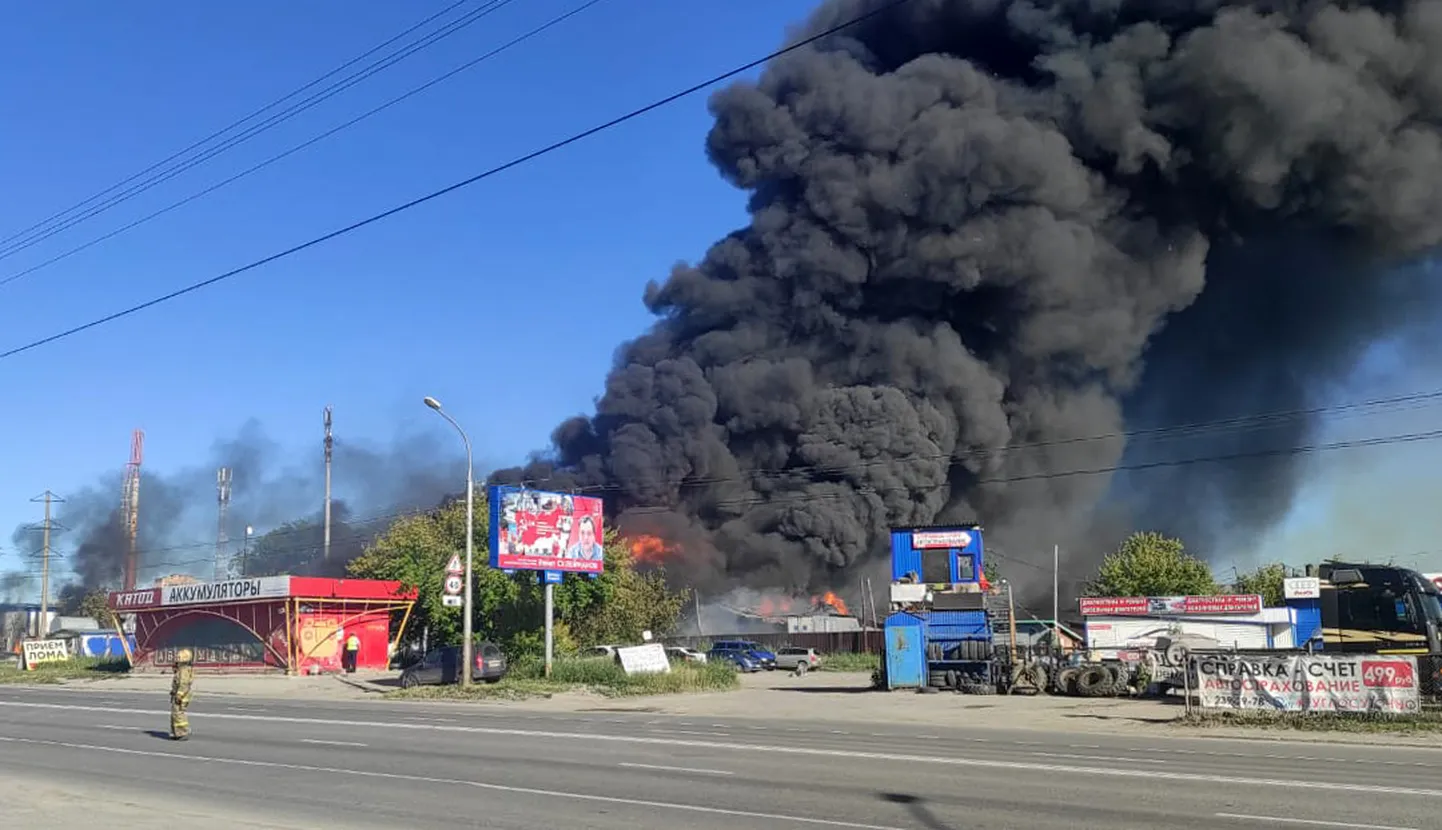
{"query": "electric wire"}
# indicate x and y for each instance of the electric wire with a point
(7, 251)
(255, 168)
(459, 185)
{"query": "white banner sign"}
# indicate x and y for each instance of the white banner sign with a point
(1301, 587)
(44, 651)
(1308, 682)
(234, 590)
(647, 659)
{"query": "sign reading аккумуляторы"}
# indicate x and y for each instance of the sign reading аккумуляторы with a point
(233, 590)
(1308, 682)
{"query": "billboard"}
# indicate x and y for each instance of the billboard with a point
(535, 530)
(1308, 682)
(1236, 605)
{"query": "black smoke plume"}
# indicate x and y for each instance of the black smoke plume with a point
(981, 231)
(277, 492)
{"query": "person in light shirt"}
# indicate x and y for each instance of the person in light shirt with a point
(586, 546)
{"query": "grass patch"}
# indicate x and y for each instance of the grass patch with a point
(1354, 722)
(601, 675)
(80, 668)
(851, 662)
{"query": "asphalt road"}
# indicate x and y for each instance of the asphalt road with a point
(390, 764)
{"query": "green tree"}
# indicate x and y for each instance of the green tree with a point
(510, 608)
(1265, 580)
(991, 572)
(96, 604)
(1150, 565)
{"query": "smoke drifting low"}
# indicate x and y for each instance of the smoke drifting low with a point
(978, 227)
(271, 490)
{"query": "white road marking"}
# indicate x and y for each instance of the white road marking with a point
(676, 769)
(483, 785)
(330, 743)
(1087, 757)
(1029, 766)
(1312, 822)
(112, 726)
(694, 732)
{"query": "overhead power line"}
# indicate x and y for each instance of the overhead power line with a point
(516, 41)
(463, 183)
(44, 230)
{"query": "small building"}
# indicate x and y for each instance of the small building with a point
(821, 623)
(293, 624)
(1038, 635)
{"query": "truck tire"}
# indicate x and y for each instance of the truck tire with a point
(1036, 675)
(936, 679)
(1094, 681)
(1066, 680)
(1121, 679)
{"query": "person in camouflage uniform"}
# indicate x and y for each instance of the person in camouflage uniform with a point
(180, 695)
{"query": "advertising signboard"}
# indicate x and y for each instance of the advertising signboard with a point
(231, 590)
(1235, 605)
(133, 600)
(534, 530)
(931, 539)
(1302, 587)
(39, 652)
(1308, 682)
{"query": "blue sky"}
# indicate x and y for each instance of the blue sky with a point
(439, 301)
(546, 262)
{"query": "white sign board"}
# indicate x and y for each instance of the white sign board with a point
(37, 652)
(1308, 682)
(232, 590)
(450, 601)
(1302, 587)
(647, 659)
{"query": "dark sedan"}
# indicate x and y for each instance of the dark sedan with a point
(443, 666)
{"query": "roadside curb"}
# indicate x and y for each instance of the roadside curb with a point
(362, 685)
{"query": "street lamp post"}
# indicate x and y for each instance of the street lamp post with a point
(468, 647)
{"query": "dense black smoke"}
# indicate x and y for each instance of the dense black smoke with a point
(274, 491)
(977, 227)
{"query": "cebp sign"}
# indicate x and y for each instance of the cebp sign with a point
(37, 652)
(233, 590)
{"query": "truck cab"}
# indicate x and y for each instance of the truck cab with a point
(1380, 609)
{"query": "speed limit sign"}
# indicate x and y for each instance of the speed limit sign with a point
(454, 584)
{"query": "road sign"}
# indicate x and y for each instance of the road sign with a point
(454, 584)
(454, 566)
(553, 577)
(452, 601)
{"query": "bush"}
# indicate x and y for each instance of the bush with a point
(850, 661)
(79, 668)
(602, 675)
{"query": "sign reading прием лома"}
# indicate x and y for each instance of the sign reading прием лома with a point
(38, 652)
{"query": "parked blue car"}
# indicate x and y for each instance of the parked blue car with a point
(764, 657)
(740, 659)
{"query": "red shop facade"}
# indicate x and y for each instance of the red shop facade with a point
(291, 624)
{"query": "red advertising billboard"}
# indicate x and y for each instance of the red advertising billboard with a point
(132, 600)
(1236, 605)
(535, 530)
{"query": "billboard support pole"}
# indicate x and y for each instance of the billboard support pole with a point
(550, 615)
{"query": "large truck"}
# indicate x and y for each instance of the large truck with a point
(1377, 609)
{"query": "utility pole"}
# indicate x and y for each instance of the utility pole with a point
(222, 536)
(130, 505)
(49, 498)
(1056, 597)
(329, 448)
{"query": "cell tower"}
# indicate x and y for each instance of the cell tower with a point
(222, 497)
(130, 505)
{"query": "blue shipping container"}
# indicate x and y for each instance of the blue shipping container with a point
(905, 651)
(965, 559)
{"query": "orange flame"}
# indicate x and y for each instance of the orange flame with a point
(834, 601)
(651, 550)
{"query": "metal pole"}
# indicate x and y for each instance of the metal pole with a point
(1056, 598)
(329, 444)
(468, 647)
(700, 630)
(45, 573)
(550, 608)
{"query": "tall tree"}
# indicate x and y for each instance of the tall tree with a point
(1148, 565)
(1265, 580)
(510, 608)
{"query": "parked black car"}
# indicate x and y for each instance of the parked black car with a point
(443, 666)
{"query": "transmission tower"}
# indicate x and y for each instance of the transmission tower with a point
(222, 497)
(130, 506)
(47, 529)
